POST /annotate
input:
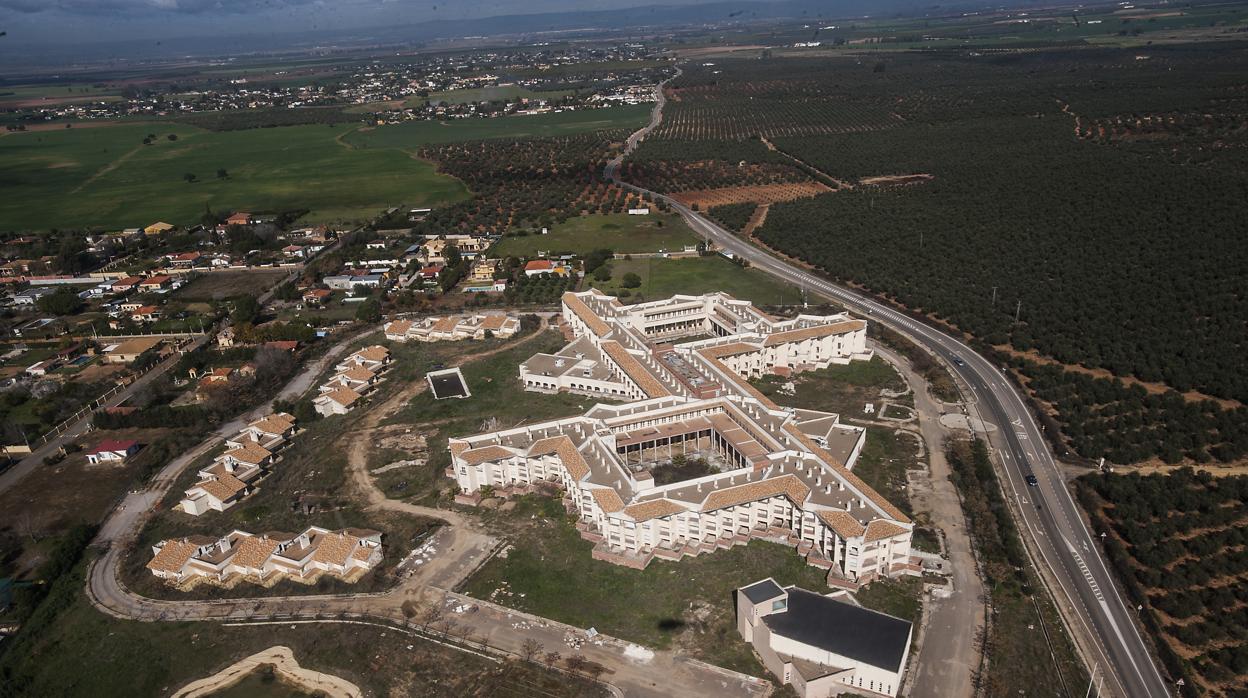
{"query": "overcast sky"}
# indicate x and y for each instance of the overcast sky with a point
(68, 21)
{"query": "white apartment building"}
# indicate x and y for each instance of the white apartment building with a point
(780, 473)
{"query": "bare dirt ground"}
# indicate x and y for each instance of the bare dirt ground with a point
(283, 661)
(222, 284)
(756, 220)
(759, 194)
(894, 180)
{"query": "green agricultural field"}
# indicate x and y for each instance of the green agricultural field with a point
(486, 94)
(414, 134)
(661, 278)
(53, 94)
(620, 232)
(106, 177)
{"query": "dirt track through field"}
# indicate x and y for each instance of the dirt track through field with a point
(108, 168)
(756, 220)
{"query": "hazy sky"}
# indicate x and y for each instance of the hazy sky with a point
(68, 21)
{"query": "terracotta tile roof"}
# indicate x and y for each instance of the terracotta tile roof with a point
(445, 324)
(787, 485)
(728, 350)
(608, 500)
(362, 553)
(275, 423)
(546, 446)
(635, 370)
(335, 548)
(343, 396)
(250, 452)
(373, 353)
(223, 488)
(880, 529)
(399, 327)
(845, 525)
(458, 448)
(172, 556)
(653, 510)
(812, 332)
(740, 382)
(494, 322)
(847, 475)
(253, 551)
(358, 373)
(572, 459)
(485, 453)
(596, 324)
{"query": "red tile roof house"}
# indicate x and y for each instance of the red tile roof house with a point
(186, 259)
(126, 284)
(538, 266)
(112, 451)
(153, 283)
(239, 218)
(146, 313)
(316, 296)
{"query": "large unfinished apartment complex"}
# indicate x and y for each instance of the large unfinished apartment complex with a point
(782, 474)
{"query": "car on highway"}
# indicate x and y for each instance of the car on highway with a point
(1032, 481)
(958, 360)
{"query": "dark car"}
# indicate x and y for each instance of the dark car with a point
(1032, 481)
(958, 360)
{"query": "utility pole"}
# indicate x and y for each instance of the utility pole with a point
(994, 296)
(1091, 679)
(1017, 309)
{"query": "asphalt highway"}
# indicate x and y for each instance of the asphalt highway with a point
(1050, 518)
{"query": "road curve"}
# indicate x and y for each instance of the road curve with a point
(1050, 519)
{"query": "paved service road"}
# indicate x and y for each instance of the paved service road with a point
(1050, 519)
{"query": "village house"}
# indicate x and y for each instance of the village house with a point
(129, 350)
(112, 451)
(145, 313)
(155, 283)
(316, 296)
(127, 284)
(239, 218)
(337, 401)
(233, 475)
(158, 227)
(537, 267)
(374, 358)
(347, 554)
(452, 328)
(185, 260)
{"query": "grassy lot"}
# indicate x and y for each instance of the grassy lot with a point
(492, 93)
(1020, 658)
(686, 604)
(616, 231)
(108, 178)
(498, 401)
(660, 278)
(883, 463)
(413, 134)
(840, 389)
(84, 652)
(216, 285)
